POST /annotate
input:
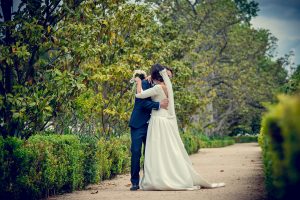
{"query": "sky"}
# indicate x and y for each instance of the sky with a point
(282, 18)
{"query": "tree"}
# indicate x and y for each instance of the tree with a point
(25, 47)
(72, 62)
(293, 84)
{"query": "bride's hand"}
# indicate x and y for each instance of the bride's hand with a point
(149, 79)
(169, 73)
(163, 71)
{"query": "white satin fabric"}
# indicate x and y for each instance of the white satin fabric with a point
(167, 165)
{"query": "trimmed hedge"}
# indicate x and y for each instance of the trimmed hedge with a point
(214, 142)
(191, 142)
(245, 138)
(280, 139)
(50, 164)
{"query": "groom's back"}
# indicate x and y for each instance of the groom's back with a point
(142, 109)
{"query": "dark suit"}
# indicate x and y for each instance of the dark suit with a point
(139, 125)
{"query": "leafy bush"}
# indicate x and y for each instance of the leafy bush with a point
(50, 164)
(191, 142)
(92, 161)
(47, 164)
(194, 141)
(9, 168)
(116, 156)
(245, 138)
(42, 165)
(279, 139)
(214, 142)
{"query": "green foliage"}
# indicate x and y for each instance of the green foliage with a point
(222, 54)
(245, 138)
(247, 8)
(9, 167)
(191, 142)
(293, 84)
(194, 140)
(92, 160)
(50, 164)
(47, 164)
(279, 139)
(43, 165)
(205, 141)
(68, 71)
(215, 143)
(118, 160)
(33, 88)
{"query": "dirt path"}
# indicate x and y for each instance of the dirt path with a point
(239, 166)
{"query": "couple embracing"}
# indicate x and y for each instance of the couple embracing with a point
(153, 122)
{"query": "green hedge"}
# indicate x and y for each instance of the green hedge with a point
(280, 142)
(51, 164)
(191, 142)
(48, 164)
(214, 142)
(245, 138)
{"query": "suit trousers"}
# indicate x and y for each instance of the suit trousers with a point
(138, 137)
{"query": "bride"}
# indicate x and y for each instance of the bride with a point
(167, 165)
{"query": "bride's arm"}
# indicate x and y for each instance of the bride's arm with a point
(166, 78)
(138, 85)
(146, 93)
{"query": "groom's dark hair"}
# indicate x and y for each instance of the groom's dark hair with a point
(141, 76)
(155, 69)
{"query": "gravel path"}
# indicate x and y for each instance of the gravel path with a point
(239, 166)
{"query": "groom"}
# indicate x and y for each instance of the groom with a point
(138, 127)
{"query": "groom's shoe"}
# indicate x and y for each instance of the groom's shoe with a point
(134, 187)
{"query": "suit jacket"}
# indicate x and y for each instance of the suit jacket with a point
(142, 109)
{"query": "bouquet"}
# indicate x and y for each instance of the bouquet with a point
(138, 73)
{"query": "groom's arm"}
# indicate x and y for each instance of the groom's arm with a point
(149, 105)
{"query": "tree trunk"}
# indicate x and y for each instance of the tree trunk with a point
(8, 129)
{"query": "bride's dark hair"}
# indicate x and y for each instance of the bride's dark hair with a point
(155, 69)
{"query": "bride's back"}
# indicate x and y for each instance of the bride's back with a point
(162, 94)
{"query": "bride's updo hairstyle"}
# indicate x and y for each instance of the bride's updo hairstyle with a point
(155, 69)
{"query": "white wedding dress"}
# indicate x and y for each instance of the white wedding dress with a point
(167, 165)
